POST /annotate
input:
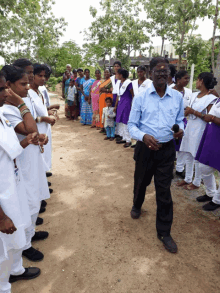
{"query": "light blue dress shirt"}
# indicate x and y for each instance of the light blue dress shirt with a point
(153, 115)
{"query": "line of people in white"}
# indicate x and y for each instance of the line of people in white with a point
(25, 153)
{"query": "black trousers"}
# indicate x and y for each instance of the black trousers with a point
(160, 165)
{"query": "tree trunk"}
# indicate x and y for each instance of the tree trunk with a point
(213, 36)
(162, 46)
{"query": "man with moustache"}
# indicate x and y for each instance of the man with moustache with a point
(153, 114)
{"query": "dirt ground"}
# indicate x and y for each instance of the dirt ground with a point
(95, 247)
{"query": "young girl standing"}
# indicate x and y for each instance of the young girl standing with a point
(31, 159)
(14, 210)
(208, 157)
(123, 107)
(181, 81)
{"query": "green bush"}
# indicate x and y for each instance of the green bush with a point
(52, 82)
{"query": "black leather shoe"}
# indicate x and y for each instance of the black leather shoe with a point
(39, 221)
(48, 174)
(33, 254)
(41, 235)
(50, 190)
(121, 141)
(42, 210)
(49, 183)
(30, 273)
(135, 213)
(211, 206)
(168, 243)
(118, 138)
(181, 174)
(43, 204)
(203, 198)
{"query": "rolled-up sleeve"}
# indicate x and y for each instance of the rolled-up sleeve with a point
(134, 119)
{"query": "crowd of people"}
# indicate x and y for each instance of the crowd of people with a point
(141, 113)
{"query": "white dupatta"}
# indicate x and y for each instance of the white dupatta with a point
(121, 90)
(114, 84)
(201, 104)
(215, 110)
(41, 111)
(137, 89)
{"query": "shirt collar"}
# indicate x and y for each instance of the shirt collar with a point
(167, 92)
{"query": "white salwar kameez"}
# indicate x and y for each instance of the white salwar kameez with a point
(114, 92)
(180, 156)
(14, 203)
(207, 172)
(193, 135)
(41, 111)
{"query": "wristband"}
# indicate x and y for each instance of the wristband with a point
(38, 119)
(213, 117)
(21, 105)
(202, 117)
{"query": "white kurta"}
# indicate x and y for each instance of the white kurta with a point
(13, 199)
(195, 126)
(32, 165)
(138, 89)
(41, 110)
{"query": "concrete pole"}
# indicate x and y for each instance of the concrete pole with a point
(191, 76)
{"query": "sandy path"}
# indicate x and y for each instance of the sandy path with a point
(94, 245)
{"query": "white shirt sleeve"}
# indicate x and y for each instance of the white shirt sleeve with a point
(13, 115)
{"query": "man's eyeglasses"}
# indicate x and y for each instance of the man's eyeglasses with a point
(161, 72)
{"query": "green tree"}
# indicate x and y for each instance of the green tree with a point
(199, 53)
(68, 53)
(117, 30)
(34, 34)
(160, 20)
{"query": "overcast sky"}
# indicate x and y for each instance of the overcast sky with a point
(78, 17)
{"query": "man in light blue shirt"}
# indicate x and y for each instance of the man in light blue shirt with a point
(153, 114)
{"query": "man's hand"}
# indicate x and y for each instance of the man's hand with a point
(7, 226)
(178, 135)
(151, 142)
(188, 111)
